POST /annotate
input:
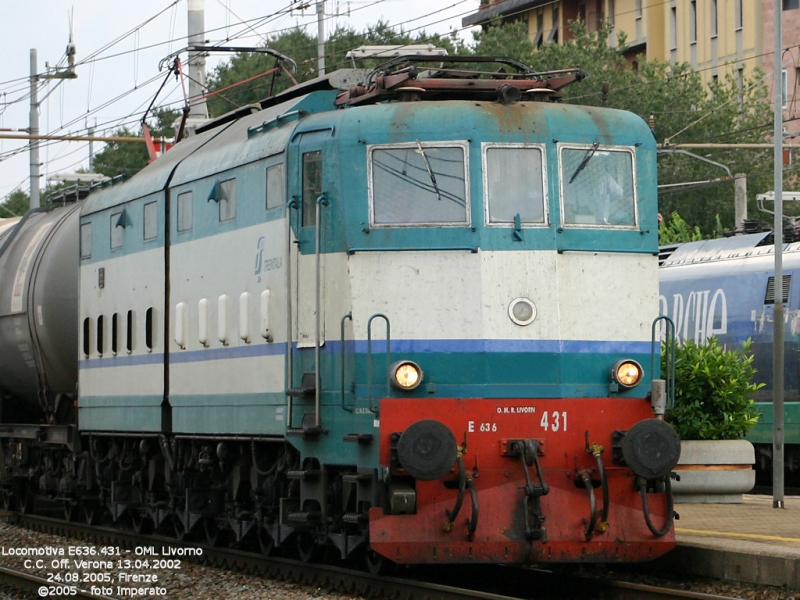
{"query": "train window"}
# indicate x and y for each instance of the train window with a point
(86, 240)
(150, 220)
(116, 231)
(312, 186)
(597, 187)
(148, 328)
(275, 186)
(514, 184)
(185, 211)
(227, 200)
(114, 339)
(418, 184)
(87, 332)
(129, 332)
(100, 335)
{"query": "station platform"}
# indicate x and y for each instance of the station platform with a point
(750, 542)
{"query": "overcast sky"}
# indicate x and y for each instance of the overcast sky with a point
(119, 47)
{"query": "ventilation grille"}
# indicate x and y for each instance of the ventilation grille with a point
(770, 297)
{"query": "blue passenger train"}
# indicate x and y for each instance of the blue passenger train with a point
(726, 288)
(404, 313)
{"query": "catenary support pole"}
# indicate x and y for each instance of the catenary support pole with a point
(777, 338)
(740, 200)
(34, 131)
(320, 38)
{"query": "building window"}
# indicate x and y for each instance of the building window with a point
(537, 41)
(791, 4)
(276, 189)
(86, 240)
(553, 35)
(185, 211)
(693, 21)
(150, 220)
(612, 9)
(738, 14)
(714, 17)
(227, 200)
(673, 28)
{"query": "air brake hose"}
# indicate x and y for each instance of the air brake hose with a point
(462, 485)
(590, 524)
(670, 506)
(603, 524)
(473, 522)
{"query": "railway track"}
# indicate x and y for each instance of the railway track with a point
(25, 582)
(439, 583)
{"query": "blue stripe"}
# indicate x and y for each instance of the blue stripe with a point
(378, 346)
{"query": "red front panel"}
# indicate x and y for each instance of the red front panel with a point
(561, 427)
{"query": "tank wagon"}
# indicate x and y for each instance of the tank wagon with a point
(726, 288)
(404, 313)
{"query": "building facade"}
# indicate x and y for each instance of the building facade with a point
(717, 37)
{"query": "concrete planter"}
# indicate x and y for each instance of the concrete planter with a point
(714, 471)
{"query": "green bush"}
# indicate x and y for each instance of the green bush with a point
(713, 389)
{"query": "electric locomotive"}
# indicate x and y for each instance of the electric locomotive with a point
(406, 313)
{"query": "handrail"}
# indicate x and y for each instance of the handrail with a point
(321, 200)
(372, 408)
(292, 204)
(671, 342)
(344, 354)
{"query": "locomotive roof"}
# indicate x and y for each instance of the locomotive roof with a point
(260, 131)
(736, 247)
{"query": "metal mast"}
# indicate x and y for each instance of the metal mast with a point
(34, 131)
(777, 330)
(196, 66)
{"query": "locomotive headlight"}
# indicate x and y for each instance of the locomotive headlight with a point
(626, 373)
(405, 375)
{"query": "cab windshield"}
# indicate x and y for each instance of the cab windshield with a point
(418, 184)
(597, 187)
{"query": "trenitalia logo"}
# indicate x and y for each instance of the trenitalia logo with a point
(259, 255)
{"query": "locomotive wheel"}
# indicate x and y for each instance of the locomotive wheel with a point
(140, 523)
(214, 536)
(179, 529)
(90, 514)
(265, 542)
(377, 564)
(70, 510)
(7, 499)
(25, 502)
(307, 549)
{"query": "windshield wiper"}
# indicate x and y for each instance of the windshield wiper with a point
(585, 161)
(430, 171)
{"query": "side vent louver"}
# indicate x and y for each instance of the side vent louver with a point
(770, 296)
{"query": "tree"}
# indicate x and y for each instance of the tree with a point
(17, 205)
(677, 231)
(302, 48)
(128, 158)
(683, 110)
